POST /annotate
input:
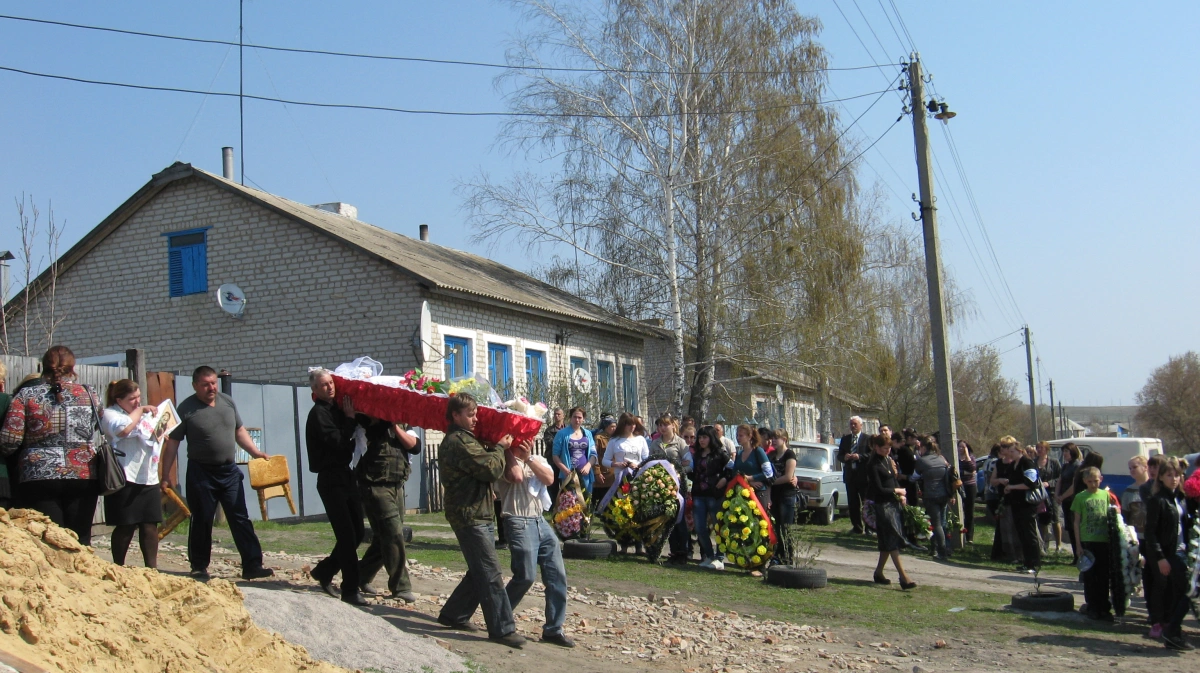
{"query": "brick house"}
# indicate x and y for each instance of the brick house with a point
(321, 288)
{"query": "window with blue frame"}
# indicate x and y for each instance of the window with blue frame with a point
(457, 357)
(500, 369)
(535, 375)
(606, 383)
(630, 388)
(187, 262)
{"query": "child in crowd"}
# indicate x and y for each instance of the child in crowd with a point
(1090, 509)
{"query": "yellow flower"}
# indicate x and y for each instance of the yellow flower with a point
(753, 506)
(720, 515)
(746, 531)
(729, 493)
(745, 493)
(761, 549)
(756, 559)
(721, 547)
(741, 560)
(746, 536)
(743, 519)
(725, 505)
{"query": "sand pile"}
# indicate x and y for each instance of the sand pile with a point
(65, 609)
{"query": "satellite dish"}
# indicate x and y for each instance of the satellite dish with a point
(582, 380)
(231, 299)
(426, 331)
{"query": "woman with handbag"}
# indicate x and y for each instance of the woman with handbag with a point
(138, 505)
(50, 427)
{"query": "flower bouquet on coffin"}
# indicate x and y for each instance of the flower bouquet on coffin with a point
(745, 533)
(654, 494)
(571, 513)
(419, 399)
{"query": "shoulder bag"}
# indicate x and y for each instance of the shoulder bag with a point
(1037, 495)
(112, 475)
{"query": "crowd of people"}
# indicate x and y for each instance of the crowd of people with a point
(50, 457)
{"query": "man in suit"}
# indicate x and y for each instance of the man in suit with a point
(852, 453)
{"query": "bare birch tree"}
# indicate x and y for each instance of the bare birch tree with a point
(658, 140)
(38, 316)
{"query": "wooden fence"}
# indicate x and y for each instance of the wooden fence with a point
(96, 376)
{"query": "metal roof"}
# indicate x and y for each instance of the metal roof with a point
(438, 267)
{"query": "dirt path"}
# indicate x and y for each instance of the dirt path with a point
(620, 631)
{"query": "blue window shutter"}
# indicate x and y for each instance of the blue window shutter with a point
(195, 269)
(175, 271)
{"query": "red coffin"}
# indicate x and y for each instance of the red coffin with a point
(428, 410)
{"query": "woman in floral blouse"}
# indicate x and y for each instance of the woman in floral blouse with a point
(49, 426)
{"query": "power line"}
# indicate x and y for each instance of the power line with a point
(447, 113)
(900, 20)
(870, 27)
(436, 61)
(893, 27)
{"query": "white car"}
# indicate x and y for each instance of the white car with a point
(819, 478)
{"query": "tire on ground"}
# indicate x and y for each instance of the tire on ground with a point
(1044, 601)
(587, 549)
(791, 577)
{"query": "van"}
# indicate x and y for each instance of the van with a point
(1116, 451)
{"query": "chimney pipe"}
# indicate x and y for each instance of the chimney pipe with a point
(424, 232)
(227, 163)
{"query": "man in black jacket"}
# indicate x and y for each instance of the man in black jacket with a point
(853, 452)
(329, 433)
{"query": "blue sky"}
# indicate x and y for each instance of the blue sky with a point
(1077, 131)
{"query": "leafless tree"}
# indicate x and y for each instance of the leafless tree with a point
(38, 316)
(1169, 403)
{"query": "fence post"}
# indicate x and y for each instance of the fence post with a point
(135, 361)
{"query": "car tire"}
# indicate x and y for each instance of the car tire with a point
(588, 549)
(827, 514)
(791, 577)
(1044, 601)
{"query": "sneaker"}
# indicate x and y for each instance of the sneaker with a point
(200, 575)
(718, 564)
(559, 639)
(1156, 631)
(257, 573)
(513, 640)
(1177, 642)
(707, 564)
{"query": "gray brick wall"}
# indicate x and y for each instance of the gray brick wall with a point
(310, 299)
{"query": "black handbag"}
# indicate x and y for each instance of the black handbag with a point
(1037, 495)
(112, 474)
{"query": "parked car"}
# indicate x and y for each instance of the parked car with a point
(981, 468)
(819, 478)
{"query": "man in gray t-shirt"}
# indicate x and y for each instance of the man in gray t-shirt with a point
(210, 423)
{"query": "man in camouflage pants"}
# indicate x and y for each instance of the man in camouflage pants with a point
(468, 470)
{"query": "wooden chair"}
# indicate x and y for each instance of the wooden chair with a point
(271, 478)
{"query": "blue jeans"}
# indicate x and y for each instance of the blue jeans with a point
(936, 509)
(701, 507)
(482, 585)
(533, 544)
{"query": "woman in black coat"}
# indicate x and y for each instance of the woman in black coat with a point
(1018, 480)
(887, 496)
(1168, 525)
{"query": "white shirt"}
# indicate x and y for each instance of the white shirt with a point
(141, 452)
(623, 449)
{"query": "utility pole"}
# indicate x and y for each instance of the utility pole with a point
(943, 384)
(1053, 420)
(241, 92)
(1062, 416)
(1032, 390)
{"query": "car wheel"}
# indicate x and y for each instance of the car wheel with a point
(826, 515)
(791, 577)
(1044, 601)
